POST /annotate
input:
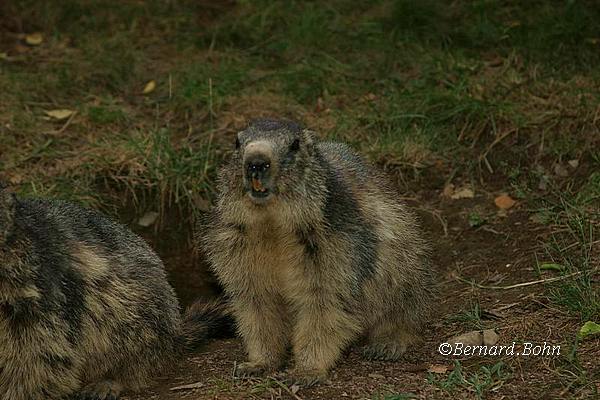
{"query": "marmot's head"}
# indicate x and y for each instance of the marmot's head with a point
(273, 157)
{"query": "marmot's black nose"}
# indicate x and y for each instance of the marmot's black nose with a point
(257, 166)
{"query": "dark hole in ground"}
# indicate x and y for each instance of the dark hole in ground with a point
(189, 275)
(187, 271)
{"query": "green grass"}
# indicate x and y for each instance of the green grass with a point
(105, 114)
(571, 251)
(479, 382)
(145, 169)
(394, 396)
(176, 175)
(470, 317)
(573, 374)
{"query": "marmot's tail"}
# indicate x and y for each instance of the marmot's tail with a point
(206, 320)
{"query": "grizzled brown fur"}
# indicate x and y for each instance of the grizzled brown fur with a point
(315, 251)
(85, 307)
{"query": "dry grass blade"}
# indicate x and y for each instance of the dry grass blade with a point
(523, 284)
(188, 387)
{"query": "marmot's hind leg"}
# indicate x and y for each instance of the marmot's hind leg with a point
(104, 390)
(388, 340)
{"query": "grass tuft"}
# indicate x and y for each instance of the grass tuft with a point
(486, 379)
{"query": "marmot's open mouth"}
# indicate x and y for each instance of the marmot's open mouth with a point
(258, 190)
(261, 193)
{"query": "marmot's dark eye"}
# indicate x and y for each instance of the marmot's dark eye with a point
(295, 145)
(237, 143)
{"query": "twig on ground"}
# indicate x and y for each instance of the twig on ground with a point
(592, 244)
(547, 280)
(190, 386)
(492, 230)
(499, 138)
(439, 217)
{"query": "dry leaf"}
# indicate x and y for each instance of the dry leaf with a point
(149, 88)
(574, 163)
(560, 170)
(188, 387)
(504, 202)
(437, 369)
(148, 219)
(487, 337)
(448, 190)
(34, 39)
(16, 179)
(60, 114)
(463, 193)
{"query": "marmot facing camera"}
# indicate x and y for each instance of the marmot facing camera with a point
(85, 307)
(314, 251)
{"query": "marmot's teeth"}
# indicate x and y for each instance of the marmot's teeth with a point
(257, 185)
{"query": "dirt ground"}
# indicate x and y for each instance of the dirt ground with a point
(500, 253)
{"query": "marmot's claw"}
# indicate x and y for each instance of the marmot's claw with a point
(391, 351)
(306, 378)
(249, 369)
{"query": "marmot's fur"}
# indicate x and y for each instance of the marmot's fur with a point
(315, 251)
(85, 307)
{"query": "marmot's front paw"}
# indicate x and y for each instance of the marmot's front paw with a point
(248, 368)
(306, 377)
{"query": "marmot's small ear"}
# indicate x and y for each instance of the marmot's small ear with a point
(308, 137)
(295, 146)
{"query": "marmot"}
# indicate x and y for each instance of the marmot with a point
(85, 307)
(315, 251)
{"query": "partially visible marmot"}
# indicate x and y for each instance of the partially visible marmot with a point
(315, 251)
(85, 307)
